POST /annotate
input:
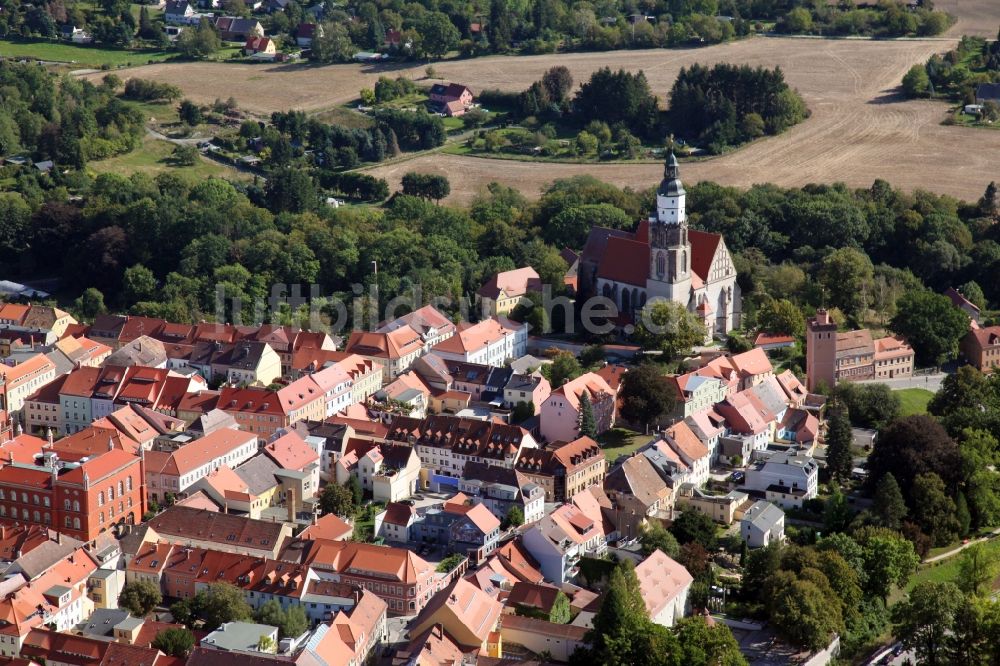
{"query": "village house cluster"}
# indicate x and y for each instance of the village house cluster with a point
(137, 449)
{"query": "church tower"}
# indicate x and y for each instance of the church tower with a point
(669, 248)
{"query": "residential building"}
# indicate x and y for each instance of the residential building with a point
(762, 525)
(560, 538)
(682, 440)
(263, 412)
(430, 324)
(963, 304)
(540, 636)
(306, 32)
(445, 444)
(786, 478)
(351, 636)
(492, 341)
(393, 350)
(833, 356)
(260, 47)
(394, 523)
(229, 533)
(564, 470)
(175, 471)
(246, 637)
(79, 493)
(531, 389)
(41, 409)
(20, 381)
(981, 348)
(401, 578)
(465, 527)
(696, 393)
(638, 492)
(560, 414)
(501, 489)
(723, 509)
(469, 615)
(663, 258)
(451, 98)
(664, 585)
(505, 290)
(389, 470)
(233, 29)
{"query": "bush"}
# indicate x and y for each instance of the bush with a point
(144, 90)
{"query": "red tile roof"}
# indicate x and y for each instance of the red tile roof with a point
(625, 260)
(703, 248)
(291, 452)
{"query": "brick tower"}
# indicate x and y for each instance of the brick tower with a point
(821, 351)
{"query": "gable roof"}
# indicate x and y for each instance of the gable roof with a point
(703, 248)
(291, 452)
(185, 523)
(511, 283)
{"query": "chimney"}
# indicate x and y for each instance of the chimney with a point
(292, 505)
(822, 316)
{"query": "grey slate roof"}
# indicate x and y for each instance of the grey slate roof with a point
(258, 473)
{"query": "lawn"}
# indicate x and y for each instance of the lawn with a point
(914, 400)
(345, 117)
(153, 157)
(621, 441)
(85, 56)
(947, 570)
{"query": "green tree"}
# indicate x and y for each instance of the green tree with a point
(139, 284)
(798, 21)
(669, 326)
(702, 645)
(333, 44)
(804, 613)
(336, 499)
(15, 222)
(514, 517)
(869, 405)
(294, 623)
(185, 155)
(962, 514)
(357, 493)
(781, 316)
(174, 642)
(198, 42)
(190, 113)
(223, 603)
(620, 622)
(887, 559)
(646, 395)
(656, 537)
(588, 423)
(90, 304)
(563, 368)
(838, 443)
(916, 83)
(291, 190)
(931, 324)
(438, 34)
(694, 526)
(889, 506)
(845, 275)
(560, 612)
(271, 613)
(140, 597)
(977, 569)
(923, 620)
(934, 510)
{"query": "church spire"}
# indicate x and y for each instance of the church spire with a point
(671, 185)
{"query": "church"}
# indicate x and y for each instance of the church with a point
(663, 259)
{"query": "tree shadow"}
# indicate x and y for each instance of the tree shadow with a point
(891, 96)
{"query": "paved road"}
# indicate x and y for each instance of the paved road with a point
(930, 382)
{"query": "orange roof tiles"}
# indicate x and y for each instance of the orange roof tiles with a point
(591, 382)
(330, 527)
(201, 451)
(661, 579)
(390, 345)
(473, 337)
(291, 452)
(393, 563)
(511, 283)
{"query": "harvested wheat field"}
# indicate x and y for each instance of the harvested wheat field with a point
(975, 17)
(860, 128)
